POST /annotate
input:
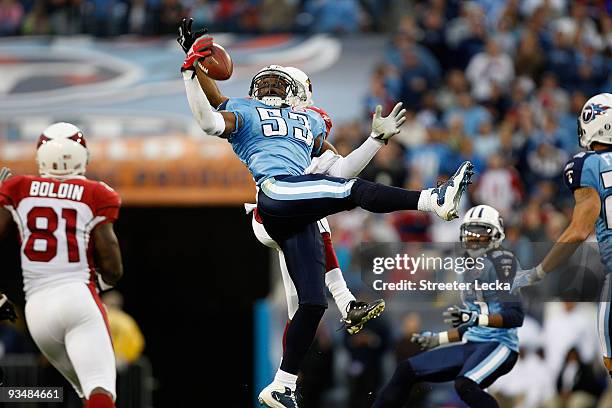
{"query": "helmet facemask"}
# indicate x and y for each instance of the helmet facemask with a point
(274, 87)
(478, 238)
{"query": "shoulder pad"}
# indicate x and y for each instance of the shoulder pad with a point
(573, 176)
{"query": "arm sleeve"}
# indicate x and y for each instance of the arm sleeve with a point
(357, 160)
(210, 121)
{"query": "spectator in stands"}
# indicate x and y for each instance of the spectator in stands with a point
(489, 68)
(334, 16)
(499, 186)
(11, 13)
(128, 340)
(530, 59)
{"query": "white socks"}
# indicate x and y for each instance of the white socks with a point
(285, 379)
(424, 203)
(337, 287)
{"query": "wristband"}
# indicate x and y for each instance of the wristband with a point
(443, 337)
(483, 320)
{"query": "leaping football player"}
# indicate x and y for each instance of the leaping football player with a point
(354, 313)
(485, 327)
(64, 222)
(276, 142)
(589, 176)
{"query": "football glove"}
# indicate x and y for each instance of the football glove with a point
(426, 340)
(201, 48)
(527, 278)
(457, 316)
(7, 310)
(5, 173)
(186, 37)
(385, 127)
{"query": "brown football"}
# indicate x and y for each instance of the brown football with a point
(217, 65)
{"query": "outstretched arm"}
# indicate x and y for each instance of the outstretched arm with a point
(212, 122)
(383, 129)
(585, 215)
(586, 211)
(210, 88)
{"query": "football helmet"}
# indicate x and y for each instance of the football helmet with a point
(481, 230)
(62, 151)
(303, 98)
(595, 121)
(275, 86)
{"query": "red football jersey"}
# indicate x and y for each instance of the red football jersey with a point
(326, 119)
(55, 219)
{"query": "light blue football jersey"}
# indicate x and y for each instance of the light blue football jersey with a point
(499, 265)
(594, 169)
(273, 141)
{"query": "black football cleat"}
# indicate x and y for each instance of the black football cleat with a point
(359, 313)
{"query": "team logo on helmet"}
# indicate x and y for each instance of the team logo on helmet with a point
(592, 111)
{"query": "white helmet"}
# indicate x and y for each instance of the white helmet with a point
(595, 121)
(62, 151)
(481, 230)
(303, 98)
(275, 86)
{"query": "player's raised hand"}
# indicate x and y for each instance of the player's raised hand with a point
(201, 48)
(5, 173)
(426, 340)
(186, 37)
(457, 316)
(385, 127)
(7, 310)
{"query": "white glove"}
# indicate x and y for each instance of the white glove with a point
(527, 277)
(385, 127)
(323, 163)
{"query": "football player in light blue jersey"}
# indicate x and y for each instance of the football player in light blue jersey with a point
(276, 141)
(486, 325)
(589, 176)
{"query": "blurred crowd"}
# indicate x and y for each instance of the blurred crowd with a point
(155, 17)
(499, 83)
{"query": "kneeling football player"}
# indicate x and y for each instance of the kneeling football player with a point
(486, 325)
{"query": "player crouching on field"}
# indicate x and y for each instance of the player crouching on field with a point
(63, 220)
(487, 326)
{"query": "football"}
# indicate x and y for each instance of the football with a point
(218, 65)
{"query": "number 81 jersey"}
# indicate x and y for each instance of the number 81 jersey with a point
(594, 169)
(273, 141)
(55, 219)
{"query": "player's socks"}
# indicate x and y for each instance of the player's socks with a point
(333, 278)
(473, 395)
(300, 335)
(99, 400)
(337, 287)
(285, 379)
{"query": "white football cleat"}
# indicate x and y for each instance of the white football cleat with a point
(444, 200)
(277, 396)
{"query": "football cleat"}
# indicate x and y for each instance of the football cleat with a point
(445, 199)
(359, 313)
(275, 396)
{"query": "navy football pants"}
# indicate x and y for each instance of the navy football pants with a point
(473, 366)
